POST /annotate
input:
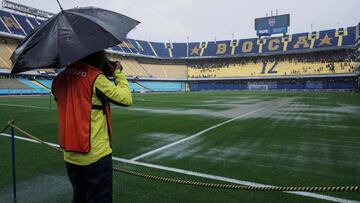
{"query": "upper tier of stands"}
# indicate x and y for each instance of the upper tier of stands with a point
(19, 25)
(296, 43)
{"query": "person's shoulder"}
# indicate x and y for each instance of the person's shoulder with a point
(101, 79)
(101, 76)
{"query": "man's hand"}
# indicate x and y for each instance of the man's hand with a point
(111, 66)
(118, 65)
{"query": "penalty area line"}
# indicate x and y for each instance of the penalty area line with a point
(204, 175)
(25, 106)
(28, 139)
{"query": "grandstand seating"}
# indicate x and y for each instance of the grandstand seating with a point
(33, 22)
(7, 46)
(24, 22)
(131, 67)
(35, 89)
(11, 23)
(135, 87)
(166, 71)
(4, 57)
(11, 83)
(162, 86)
(285, 68)
(46, 83)
(143, 47)
(134, 68)
(176, 71)
(155, 70)
(11, 86)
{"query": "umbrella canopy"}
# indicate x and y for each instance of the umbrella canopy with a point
(70, 36)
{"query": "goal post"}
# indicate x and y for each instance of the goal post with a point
(253, 87)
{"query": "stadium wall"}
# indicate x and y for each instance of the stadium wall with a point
(36, 86)
(348, 83)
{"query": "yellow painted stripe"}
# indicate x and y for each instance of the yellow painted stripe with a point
(39, 84)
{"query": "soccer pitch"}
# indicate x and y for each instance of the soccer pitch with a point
(269, 138)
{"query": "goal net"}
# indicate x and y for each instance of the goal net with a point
(258, 87)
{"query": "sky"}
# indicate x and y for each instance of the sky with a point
(206, 20)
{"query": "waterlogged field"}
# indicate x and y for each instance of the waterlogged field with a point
(280, 139)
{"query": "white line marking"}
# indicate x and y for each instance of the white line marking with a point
(18, 112)
(25, 106)
(204, 175)
(28, 139)
(195, 135)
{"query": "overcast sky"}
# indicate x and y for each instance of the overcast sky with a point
(203, 20)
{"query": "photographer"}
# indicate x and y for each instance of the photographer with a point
(83, 92)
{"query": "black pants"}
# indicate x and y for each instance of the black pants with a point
(92, 183)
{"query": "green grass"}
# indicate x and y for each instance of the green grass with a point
(311, 140)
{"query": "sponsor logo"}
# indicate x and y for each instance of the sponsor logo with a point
(264, 31)
(272, 22)
(76, 72)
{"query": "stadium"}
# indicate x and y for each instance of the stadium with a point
(278, 109)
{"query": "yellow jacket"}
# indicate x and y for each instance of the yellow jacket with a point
(100, 144)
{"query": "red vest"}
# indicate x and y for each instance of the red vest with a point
(73, 90)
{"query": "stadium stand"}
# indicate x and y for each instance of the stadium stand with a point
(44, 82)
(17, 86)
(134, 87)
(317, 63)
(135, 68)
(155, 70)
(131, 67)
(162, 86)
(176, 71)
(302, 42)
(166, 71)
(34, 87)
(11, 23)
(11, 83)
(23, 22)
(33, 22)
(327, 59)
(7, 46)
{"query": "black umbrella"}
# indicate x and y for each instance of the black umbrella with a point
(69, 36)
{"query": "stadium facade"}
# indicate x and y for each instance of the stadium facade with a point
(321, 60)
